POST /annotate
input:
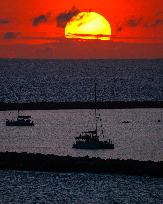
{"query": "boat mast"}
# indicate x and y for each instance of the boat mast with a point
(95, 108)
(19, 97)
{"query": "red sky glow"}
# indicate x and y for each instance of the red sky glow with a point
(35, 29)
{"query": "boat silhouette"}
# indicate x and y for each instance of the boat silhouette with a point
(21, 120)
(91, 139)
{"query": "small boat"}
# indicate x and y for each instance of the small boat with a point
(91, 139)
(21, 120)
(126, 121)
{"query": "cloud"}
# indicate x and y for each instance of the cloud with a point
(138, 38)
(4, 21)
(134, 22)
(119, 29)
(157, 22)
(40, 19)
(159, 13)
(79, 38)
(41, 38)
(130, 22)
(90, 35)
(11, 35)
(64, 17)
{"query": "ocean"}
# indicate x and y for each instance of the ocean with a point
(78, 188)
(73, 80)
(54, 130)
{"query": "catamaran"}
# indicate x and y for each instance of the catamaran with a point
(91, 139)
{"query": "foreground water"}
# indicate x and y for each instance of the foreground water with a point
(35, 187)
(55, 130)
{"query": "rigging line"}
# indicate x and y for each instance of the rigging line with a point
(95, 107)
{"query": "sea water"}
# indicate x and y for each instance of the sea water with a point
(54, 131)
(78, 188)
(73, 80)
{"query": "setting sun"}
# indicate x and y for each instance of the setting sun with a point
(88, 25)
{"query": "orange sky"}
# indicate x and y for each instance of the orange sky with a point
(35, 29)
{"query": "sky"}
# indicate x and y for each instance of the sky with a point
(36, 29)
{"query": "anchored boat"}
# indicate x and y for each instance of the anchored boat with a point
(91, 139)
(21, 120)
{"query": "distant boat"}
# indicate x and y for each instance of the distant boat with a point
(91, 139)
(21, 120)
(126, 121)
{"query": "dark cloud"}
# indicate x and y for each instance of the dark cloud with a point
(11, 35)
(41, 38)
(4, 21)
(134, 22)
(130, 22)
(159, 13)
(137, 38)
(95, 37)
(141, 21)
(157, 22)
(119, 29)
(40, 19)
(64, 17)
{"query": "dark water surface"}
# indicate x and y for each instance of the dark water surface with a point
(34, 187)
(73, 80)
(54, 131)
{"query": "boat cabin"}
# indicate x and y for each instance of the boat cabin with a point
(89, 135)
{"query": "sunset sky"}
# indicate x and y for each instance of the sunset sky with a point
(36, 29)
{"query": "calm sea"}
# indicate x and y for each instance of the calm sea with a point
(72, 188)
(73, 80)
(54, 131)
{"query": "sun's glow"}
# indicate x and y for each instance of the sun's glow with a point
(88, 25)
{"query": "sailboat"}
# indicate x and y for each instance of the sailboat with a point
(21, 120)
(91, 139)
